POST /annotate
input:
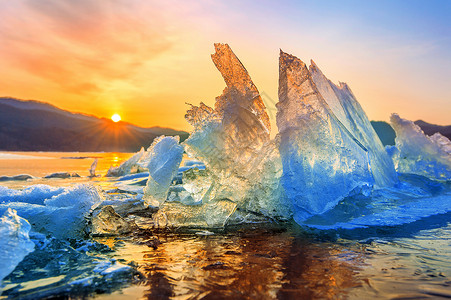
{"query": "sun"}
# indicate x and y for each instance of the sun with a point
(116, 118)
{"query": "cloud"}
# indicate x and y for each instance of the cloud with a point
(77, 45)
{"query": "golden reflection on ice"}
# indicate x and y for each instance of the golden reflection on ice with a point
(255, 265)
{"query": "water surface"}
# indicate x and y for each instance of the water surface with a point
(266, 261)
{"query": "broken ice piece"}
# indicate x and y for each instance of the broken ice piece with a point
(322, 161)
(210, 215)
(105, 221)
(15, 243)
(164, 158)
(418, 153)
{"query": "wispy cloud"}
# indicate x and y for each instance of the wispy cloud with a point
(77, 44)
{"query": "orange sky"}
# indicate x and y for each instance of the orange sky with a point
(145, 59)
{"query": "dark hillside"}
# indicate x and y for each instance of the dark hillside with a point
(36, 126)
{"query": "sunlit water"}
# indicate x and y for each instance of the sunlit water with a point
(272, 261)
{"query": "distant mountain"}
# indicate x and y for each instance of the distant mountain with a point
(430, 129)
(39, 126)
(387, 134)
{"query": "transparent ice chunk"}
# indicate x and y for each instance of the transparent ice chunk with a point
(15, 243)
(163, 161)
(322, 161)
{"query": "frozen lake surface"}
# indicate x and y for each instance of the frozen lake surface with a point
(254, 261)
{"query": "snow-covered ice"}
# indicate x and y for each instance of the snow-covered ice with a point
(35, 194)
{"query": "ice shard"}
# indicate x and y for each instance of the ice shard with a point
(242, 165)
(127, 166)
(15, 243)
(92, 169)
(227, 137)
(418, 153)
(322, 161)
(350, 113)
(105, 221)
(233, 140)
(163, 160)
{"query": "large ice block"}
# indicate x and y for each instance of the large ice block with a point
(350, 113)
(163, 160)
(418, 153)
(227, 137)
(234, 143)
(15, 243)
(322, 161)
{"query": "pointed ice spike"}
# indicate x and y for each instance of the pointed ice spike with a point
(234, 143)
(325, 89)
(347, 109)
(164, 158)
(237, 78)
(322, 161)
(228, 138)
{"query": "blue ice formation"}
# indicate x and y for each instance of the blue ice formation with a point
(347, 109)
(61, 212)
(414, 198)
(326, 167)
(15, 243)
(325, 154)
(322, 161)
(417, 153)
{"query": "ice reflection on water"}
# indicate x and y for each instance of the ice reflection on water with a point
(402, 263)
(260, 264)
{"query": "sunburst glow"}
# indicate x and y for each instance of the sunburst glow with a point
(115, 118)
